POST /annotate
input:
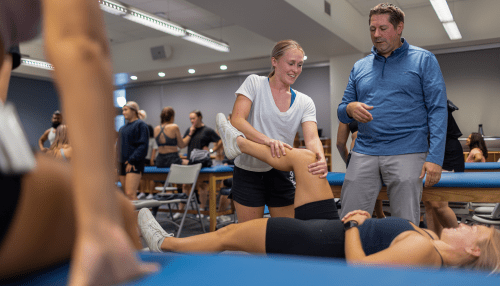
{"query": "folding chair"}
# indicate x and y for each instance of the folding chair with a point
(178, 174)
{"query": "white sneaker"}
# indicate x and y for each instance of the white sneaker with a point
(228, 134)
(150, 197)
(224, 218)
(141, 195)
(151, 230)
(177, 215)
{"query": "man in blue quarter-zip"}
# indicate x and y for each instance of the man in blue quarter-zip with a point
(398, 95)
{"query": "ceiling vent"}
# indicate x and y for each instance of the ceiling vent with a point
(328, 8)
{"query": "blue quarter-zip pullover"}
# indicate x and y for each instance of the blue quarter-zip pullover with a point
(408, 96)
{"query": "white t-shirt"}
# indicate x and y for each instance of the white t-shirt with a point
(52, 135)
(266, 118)
(152, 145)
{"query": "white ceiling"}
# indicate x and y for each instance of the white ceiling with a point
(252, 27)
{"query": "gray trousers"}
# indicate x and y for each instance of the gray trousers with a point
(364, 177)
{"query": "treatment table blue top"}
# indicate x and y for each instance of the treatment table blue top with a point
(453, 187)
(482, 167)
(274, 270)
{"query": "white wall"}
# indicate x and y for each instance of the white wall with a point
(473, 84)
(217, 95)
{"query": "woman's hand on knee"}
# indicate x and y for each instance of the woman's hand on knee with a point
(278, 148)
(320, 167)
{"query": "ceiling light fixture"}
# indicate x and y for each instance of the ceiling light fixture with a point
(444, 14)
(161, 74)
(223, 67)
(113, 7)
(452, 30)
(199, 39)
(191, 71)
(37, 64)
(305, 58)
(158, 23)
(133, 77)
(154, 22)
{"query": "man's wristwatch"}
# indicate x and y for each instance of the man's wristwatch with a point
(350, 224)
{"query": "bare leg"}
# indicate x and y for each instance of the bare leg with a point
(431, 219)
(245, 213)
(443, 216)
(42, 232)
(203, 193)
(132, 181)
(287, 211)
(309, 188)
(223, 203)
(249, 236)
(185, 161)
(379, 210)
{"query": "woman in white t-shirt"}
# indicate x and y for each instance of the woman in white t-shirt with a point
(269, 112)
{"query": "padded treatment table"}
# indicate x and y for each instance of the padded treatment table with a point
(482, 167)
(211, 174)
(274, 270)
(483, 187)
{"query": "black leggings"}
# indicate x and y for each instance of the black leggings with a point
(315, 231)
(11, 192)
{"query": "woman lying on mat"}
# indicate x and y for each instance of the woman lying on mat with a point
(357, 238)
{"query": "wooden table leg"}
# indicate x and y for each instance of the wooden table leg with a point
(212, 203)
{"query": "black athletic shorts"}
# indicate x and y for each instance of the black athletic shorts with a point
(11, 192)
(321, 234)
(165, 160)
(273, 188)
(139, 169)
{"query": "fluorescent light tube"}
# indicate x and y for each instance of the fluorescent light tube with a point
(113, 7)
(160, 24)
(199, 39)
(442, 10)
(452, 30)
(37, 64)
(154, 22)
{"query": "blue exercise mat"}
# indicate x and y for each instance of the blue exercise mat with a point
(274, 270)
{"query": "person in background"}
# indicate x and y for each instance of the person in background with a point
(201, 137)
(133, 148)
(342, 136)
(148, 161)
(60, 148)
(478, 151)
(168, 139)
(50, 134)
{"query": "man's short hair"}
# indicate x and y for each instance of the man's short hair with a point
(396, 15)
(57, 112)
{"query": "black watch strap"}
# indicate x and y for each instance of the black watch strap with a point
(350, 224)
